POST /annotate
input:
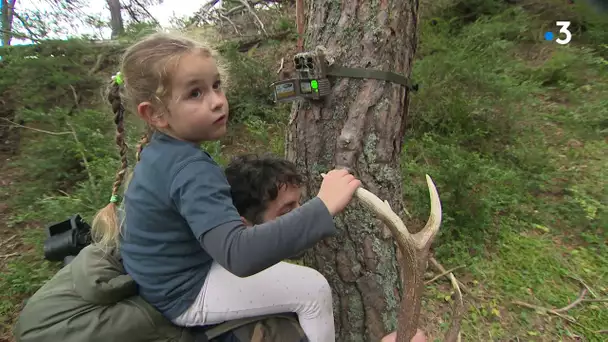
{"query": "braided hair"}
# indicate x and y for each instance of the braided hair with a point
(106, 228)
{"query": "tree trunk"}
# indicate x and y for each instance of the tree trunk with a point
(361, 127)
(8, 10)
(116, 18)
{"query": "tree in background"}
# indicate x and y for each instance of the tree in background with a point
(116, 18)
(7, 7)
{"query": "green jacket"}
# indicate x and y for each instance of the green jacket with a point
(92, 299)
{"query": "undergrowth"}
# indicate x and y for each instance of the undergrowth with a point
(515, 142)
(511, 128)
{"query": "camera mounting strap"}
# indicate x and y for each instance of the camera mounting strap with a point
(335, 70)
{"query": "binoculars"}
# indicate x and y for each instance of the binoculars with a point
(66, 239)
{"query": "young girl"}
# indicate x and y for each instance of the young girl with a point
(184, 243)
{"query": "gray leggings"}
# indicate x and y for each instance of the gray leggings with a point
(281, 288)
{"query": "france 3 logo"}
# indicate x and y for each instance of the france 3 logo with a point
(563, 25)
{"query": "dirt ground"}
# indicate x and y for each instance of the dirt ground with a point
(11, 243)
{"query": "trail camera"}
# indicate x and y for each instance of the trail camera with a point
(310, 82)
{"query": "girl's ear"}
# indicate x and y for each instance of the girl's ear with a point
(149, 114)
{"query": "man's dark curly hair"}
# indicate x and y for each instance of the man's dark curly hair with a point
(255, 181)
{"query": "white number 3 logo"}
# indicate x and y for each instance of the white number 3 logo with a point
(564, 29)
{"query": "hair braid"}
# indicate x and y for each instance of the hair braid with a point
(106, 228)
(119, 115)
(143, 141)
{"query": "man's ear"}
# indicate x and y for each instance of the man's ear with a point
(149, 114)
(245, 222)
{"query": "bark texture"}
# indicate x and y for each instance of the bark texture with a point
(116, 18)
(361, 127)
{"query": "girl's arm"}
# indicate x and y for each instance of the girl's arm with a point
(202, 195)
(247, 251)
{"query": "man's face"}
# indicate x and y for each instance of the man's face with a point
(288, 199)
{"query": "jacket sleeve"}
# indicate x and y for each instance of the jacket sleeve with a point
(100, 278)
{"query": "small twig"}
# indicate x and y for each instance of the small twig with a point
(601, 332)
(453, 333)
(236, 9)
(406, 212)
(83, 155)
(64, 193)
(9, 255)
(76, 97)
(574, 303)
(97, 65)
(559, 312)
(35, 129)
(143, 8)
(448, 272)
(246, 4)
(230, 21)
(593, 294)
(440, 268)
(281, 67)
(7, 240)
(550, 311)
(596, 300)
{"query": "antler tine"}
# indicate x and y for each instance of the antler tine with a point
(421, 240)
(414, 248)
(425, 237)
(383, 211)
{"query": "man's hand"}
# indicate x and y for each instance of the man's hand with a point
(392, 337)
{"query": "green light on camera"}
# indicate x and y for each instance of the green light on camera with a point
(314, 84)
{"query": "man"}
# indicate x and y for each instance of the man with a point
(93, 299)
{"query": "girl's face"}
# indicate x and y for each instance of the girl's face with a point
(198, 109)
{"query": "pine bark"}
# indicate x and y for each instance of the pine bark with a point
(360, 126)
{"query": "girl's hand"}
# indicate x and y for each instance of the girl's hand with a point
(337, 189)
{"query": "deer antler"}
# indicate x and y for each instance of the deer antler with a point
(415, 249)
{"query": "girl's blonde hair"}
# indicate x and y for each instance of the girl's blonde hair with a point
(146, 69)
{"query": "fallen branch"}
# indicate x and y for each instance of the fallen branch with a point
(544, 310)
(597, 300)
(440, 268)
(34, 129)
(453, 333)
(576, 302)
(7, 240)
(560, 312)
(9, 255)
(448, 273)
(582, 282)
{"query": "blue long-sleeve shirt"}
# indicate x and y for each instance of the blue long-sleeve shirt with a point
(180, 217)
